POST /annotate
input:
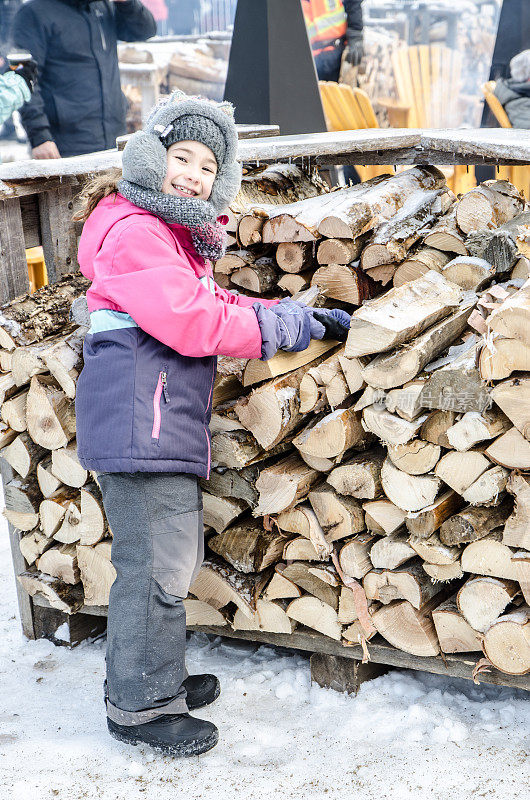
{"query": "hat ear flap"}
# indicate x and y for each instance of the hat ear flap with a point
(226, 186)
(144, 160)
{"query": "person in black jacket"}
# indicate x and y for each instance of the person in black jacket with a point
(79, 106)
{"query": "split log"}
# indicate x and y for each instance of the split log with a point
(220, 512)
(239, 484)
(418, 263)
(512, 318)
(33, 317)
(295, 283)
(347, 612)
(407, 628)
(272, 411)
(23, 455)
(14, 411)
(507, 643)
(364, 210)
(405, 401)
(301, 549)
(235, 259)
(433, 551)
(295, 257)
(60, 562)
(47, 481)
(282, 484)
(356, 634)
(517, 528)
(390, 428)
(33, 545)
(446, 235)
(457, 385)
(93, 524)
(301, 575)
(235, 449)
(8, 387)
(339, 516)
(199, 613)
(482, 600)
(382, 516)
(247, 547)
(301, 519)
(59, 595)
(268, 616)
(313, 613)
(489, 205)
(393, 239)
(259, 278)
(396, 368)
(330, 436)
(256, 370)
(404, 583)
(354, 556)
(50, 414)
(444, 573)
(513, 397)
(473, 428)
(474, 522)
(312, 397)
(489, 488)
(351, 368)
(360, 476)
(97, 572)
(510, 450)
(454, 633)
(345, 282)
(6, 359)
(22, 499)
(338, 251)
(7, 435)
(459, 470)
(415, 457)
(435, 427)
(401, 314)
(423, 524)
(249, 230)
(280, 587)
(53, 509)
(468, 272)
(219, 584)
(489, 556)
(409, 492)
(67, 467)
(391, 551)
(62, 353)
(500, 357)
(504, 245)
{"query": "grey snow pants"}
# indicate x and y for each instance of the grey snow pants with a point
(157, 550)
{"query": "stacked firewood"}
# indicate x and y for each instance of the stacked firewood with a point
(373, 486)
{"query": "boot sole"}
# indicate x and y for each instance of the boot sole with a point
(193, 748)
(217, 692)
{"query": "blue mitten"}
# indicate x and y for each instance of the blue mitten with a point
(283, 327)
(316, 329)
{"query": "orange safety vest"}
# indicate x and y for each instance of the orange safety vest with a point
(325, 20)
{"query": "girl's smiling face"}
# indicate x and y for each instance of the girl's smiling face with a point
(191, 170)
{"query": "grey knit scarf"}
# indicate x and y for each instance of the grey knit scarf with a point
(198, 216)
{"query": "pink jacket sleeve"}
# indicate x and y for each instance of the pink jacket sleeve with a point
(163, 295)
(242, 300)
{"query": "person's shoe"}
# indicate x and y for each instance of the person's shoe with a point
(171, 734)
(201, 690)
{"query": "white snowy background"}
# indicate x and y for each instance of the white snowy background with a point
(405, 736)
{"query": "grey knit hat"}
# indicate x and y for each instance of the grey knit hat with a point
(180, 118)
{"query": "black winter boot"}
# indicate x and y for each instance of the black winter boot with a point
(171, 734)
(201, 690)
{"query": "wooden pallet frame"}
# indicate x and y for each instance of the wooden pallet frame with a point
(36, 204)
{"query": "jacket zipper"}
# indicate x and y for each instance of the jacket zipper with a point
(161, 389)
(99, 15)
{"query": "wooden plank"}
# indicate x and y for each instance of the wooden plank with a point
(14, 278)
(59, 239)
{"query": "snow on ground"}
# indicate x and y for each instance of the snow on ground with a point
(406, 735)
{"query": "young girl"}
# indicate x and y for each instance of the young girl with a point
(144, 397)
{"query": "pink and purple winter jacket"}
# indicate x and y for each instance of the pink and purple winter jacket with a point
(157, 322)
